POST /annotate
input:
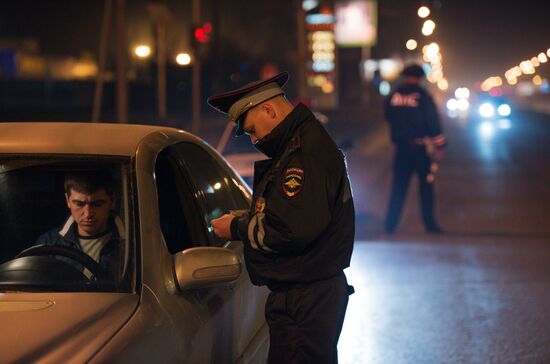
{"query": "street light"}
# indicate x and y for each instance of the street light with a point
(411, 44)
(490, 83)
(183, 59)
(428, 27)
(443, 84)
(527, 67)
(423, 11)
(432, 50)
(142, 51)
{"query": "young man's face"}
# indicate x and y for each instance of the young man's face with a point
(90, 211)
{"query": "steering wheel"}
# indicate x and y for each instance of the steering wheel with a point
(67, 252)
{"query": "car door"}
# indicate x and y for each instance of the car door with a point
(220, 191)
(194, 186)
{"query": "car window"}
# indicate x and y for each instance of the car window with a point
(179, 221)
(215, 186)
(34, 212)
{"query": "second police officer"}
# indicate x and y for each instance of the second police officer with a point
(419, 141)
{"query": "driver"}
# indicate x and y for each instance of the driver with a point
(92, 226)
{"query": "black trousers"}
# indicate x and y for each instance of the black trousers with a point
(409, 159)
(305, 321)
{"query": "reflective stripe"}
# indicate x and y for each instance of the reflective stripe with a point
(251, 225)
(261, 233)
(256, 232)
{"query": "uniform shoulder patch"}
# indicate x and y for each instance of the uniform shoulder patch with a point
(293, 181)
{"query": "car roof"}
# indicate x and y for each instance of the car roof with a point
(79, 138)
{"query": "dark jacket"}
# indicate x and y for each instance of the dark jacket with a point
(301, 225)
(67, 235)
(412, 114)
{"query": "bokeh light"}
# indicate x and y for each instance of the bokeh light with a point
(142, 51)
(428, 27)
(504, 110)
(423, 11)
(487, 110)
(411, 44)
(462, 93)
(183, 59)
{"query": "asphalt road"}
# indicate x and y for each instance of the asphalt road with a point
(480, 292)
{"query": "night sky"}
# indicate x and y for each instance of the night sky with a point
(478, 38)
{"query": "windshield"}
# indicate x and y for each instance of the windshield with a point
(65, 223)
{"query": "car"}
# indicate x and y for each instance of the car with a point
(182, 295)
(489, 107)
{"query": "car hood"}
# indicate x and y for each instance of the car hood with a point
(60, 327)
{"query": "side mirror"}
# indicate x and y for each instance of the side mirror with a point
(205, 266)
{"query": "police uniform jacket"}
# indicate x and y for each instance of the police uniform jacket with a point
(412, 114)
(300, 227)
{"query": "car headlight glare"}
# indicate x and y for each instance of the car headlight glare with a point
(504, 110)
(463, 104)
(452, 104)
(487, 110)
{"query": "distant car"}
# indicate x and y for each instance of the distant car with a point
(182, 295)
(457, 107)
(493, 107)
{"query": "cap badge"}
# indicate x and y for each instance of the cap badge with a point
(293, 181)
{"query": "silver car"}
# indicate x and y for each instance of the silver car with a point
(182, 294)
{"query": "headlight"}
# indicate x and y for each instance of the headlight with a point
(504, 110)
(452, 104)
(463, 104)
(487, 110)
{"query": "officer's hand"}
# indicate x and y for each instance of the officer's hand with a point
(222, 226)
(439, 154)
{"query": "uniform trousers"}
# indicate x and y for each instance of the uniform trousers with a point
(410, 158)
(305, 321)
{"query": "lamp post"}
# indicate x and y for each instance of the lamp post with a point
(98, 93)
(121, 63)
(196, 75)
(161, 17)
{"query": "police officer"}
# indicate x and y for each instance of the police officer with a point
(417, 135)
(298, 234)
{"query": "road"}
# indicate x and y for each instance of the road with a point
(480, 292)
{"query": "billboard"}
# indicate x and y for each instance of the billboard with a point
(356, 23)
(321, 63)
